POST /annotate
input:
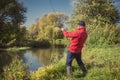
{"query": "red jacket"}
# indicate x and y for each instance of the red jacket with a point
(78, 39)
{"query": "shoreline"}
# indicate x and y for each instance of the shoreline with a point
(15, 48)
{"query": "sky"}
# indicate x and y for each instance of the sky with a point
(37, 8)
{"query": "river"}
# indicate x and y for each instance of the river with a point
(34, 58)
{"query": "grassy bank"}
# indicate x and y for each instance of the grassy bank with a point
(101, 63)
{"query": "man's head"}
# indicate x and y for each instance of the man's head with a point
(81, 24)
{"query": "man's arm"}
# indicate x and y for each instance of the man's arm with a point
(69, 34)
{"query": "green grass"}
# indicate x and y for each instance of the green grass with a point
(101, 63)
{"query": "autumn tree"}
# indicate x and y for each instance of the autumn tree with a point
(33, 30)
(48, 26)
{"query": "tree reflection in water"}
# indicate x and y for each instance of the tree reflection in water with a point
(34, 58)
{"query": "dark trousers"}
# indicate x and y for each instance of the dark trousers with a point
(71, 56)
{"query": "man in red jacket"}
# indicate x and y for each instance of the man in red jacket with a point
(79, 37)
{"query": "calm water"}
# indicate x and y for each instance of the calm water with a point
(34, 58)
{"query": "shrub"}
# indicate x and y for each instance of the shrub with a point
(43, 43)
(15, 71)
(103, 35)
(51, 72)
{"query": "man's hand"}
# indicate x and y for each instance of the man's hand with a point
(62, 29)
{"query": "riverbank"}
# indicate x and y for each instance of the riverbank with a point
(15, 49)
(102, 63)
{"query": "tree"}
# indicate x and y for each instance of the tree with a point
(33, 30)
(12, 15)
(99, 11)
(12, 11)
(101, 17)
(48, 26)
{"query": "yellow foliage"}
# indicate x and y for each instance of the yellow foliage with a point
(41, 73)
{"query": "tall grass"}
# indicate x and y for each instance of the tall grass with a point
(107, 34)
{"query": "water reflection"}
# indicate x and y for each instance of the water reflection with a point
(34, 58)
(5, 58)
(42, 57)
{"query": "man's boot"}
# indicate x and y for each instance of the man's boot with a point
(69, 71)
(83, 70)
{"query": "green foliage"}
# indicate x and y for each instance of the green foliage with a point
(102, 63)
(33, 31)
(43, 43)
(102, 11)
(48, 27)
(12, 11)
(15, 71)
(51, 72)
(107, 35)
(12, 14)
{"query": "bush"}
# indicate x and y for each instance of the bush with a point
(16, 71)
(40, 44)
(51, 72)
(105, 35)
